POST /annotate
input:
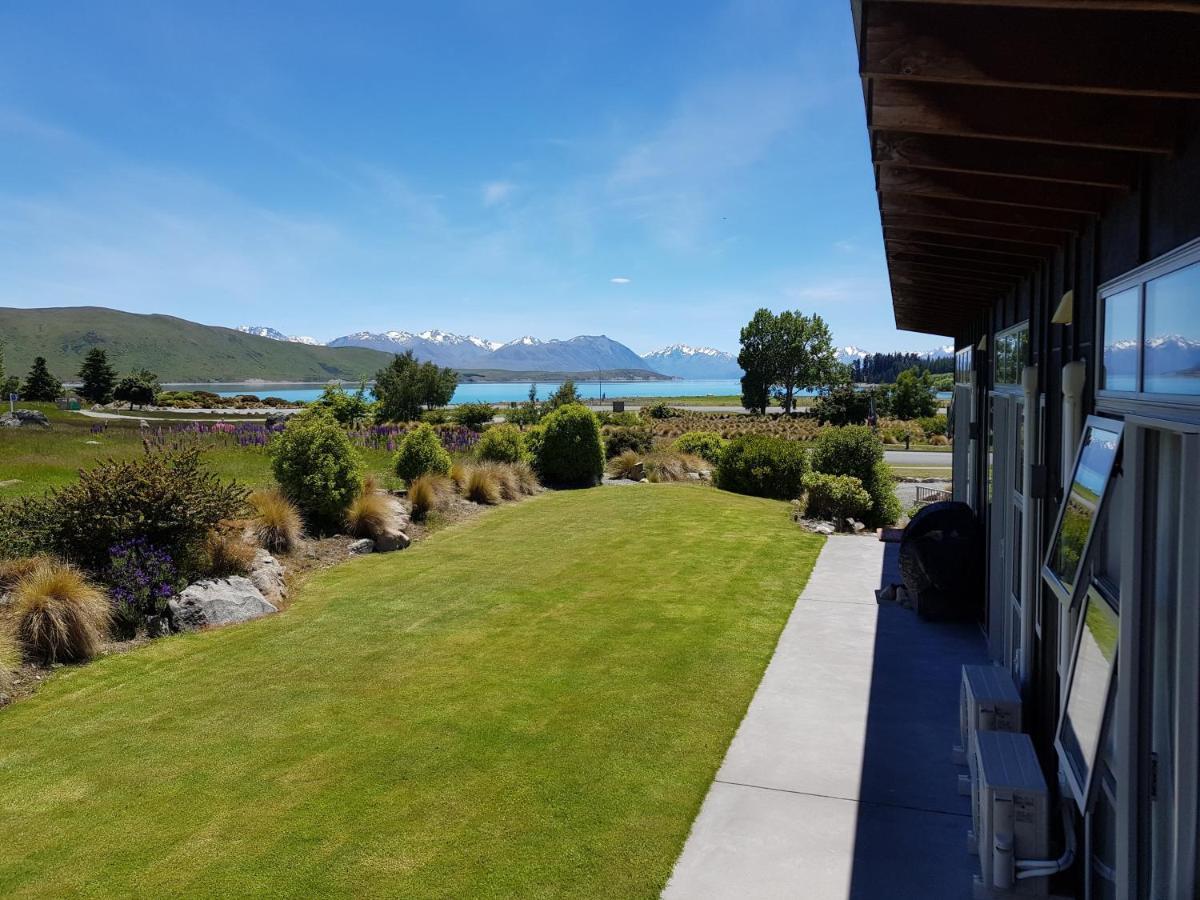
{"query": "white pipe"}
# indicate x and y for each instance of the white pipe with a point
(1037, 868)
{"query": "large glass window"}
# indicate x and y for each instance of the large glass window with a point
(962, 365)
(1082, 723)
(1172, 355)
(1011, 354)
(1121, 341)
(1082, 506)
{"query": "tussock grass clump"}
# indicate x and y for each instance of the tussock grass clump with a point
(526, 478)
(368, 514)
(57, 614)
(506, 479)
(13, 570)
(624, 465)
(427, 493)
(459, 472)
(481, 486)
(225, 553)
(276, 520)
(10, 651)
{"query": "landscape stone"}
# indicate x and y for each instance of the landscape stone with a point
(218, 601)
(363, 545)
(267, 575)
(24, 418)
(390, 538)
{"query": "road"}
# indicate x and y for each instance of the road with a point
(918, 459)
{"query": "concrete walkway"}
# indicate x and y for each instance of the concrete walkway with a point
(839, 783)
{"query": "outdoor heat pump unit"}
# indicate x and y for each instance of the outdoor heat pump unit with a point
(987, 701)
(1011, 816)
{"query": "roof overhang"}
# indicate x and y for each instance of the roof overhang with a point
(1000, 128)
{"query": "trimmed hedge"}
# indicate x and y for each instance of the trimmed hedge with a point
(317, 466)
(763, 466)
(421, 453)
(836, 497)
(707, 445)
(501, 443)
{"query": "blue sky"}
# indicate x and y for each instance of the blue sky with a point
(650, 171)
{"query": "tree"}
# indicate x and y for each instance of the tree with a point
(565, 394)
(98, 377)
(913, 397)
(10, 384)
(345, 407)
(405, 385)
(40, 386)
(138, 388)
(758, 360)
(805, 357)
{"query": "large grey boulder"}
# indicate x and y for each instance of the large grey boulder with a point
(361, 546)
(392, 534)
(221, 601)
(24, 418)
(267, 575)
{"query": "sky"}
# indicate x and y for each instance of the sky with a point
(650, 171)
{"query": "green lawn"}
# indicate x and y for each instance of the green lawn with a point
(34, 459)
(531, 704)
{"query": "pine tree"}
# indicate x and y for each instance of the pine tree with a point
(98, 377)
(40, 386)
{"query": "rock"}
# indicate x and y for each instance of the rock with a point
(390, 538)
(363, 545)
(158, 626)
(857, 526)
(636, 472)
(24, 418)
(221, 601)
(266, 574)
(142, 423)
(693, 476)
(824, 528)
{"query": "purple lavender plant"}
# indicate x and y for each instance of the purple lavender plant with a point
(141, 578)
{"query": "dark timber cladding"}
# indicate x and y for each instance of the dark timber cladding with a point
(1002, 130)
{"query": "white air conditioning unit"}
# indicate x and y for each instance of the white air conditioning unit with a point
(987, 701)
(1011, 815)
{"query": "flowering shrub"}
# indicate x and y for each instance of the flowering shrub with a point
(141, 578)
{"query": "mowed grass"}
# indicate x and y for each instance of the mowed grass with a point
(32, 460)
(531, 704)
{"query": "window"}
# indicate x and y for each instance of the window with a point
(1082, 506)
(963, 362)
(1082, 723)
(1011, 354)
(1150, 330)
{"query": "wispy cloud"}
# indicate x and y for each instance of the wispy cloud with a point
(620, 280)
(496, 192)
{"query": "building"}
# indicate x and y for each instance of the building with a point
(1038, 171)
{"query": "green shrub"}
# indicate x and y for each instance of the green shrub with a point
(856, 450)
(706, 444)
(165, 497)
(533, 440)
(624, 419)
(435, 416)
(659, 410)
(571, 450)
(474, 415)
(421, 453)
(763, 466)
(618, 439)
(317, 466)
(843, 405)
(501, 443)
(913, 396)
(932, 425)
(346, 407)
(836, 497)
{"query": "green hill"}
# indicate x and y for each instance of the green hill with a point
(176, 349)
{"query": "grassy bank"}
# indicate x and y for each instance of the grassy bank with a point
(532, 704)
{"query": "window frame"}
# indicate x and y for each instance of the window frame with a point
(997, 336)
(1069, 598)
(1134, 401)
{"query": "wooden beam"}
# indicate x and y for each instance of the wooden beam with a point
(1146, 6)
(1040, 162)
(1021, 192)
(974, 211)
(966, 292)
(1145, 125)
(1127, 53)
(926, 262)
(1016, 233)
(931, 254)
(1035, 253)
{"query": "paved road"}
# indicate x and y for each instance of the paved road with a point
(919, 459)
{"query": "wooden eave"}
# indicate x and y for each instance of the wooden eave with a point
(1000, 128)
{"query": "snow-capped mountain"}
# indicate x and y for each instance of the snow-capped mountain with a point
(585, 353)
(276, 335)
(852, 353)
(682, 361)
(1166, 356)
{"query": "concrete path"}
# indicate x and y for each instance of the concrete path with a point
(839, 783)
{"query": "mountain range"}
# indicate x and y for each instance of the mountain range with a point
(851, 353)
(584, 353)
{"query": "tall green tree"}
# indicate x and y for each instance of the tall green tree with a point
(98, 377)
(405, 386)
(758, 359)
(914, 397)
(805, 357)
(565, 394)
(138, 388)
(40, 386)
